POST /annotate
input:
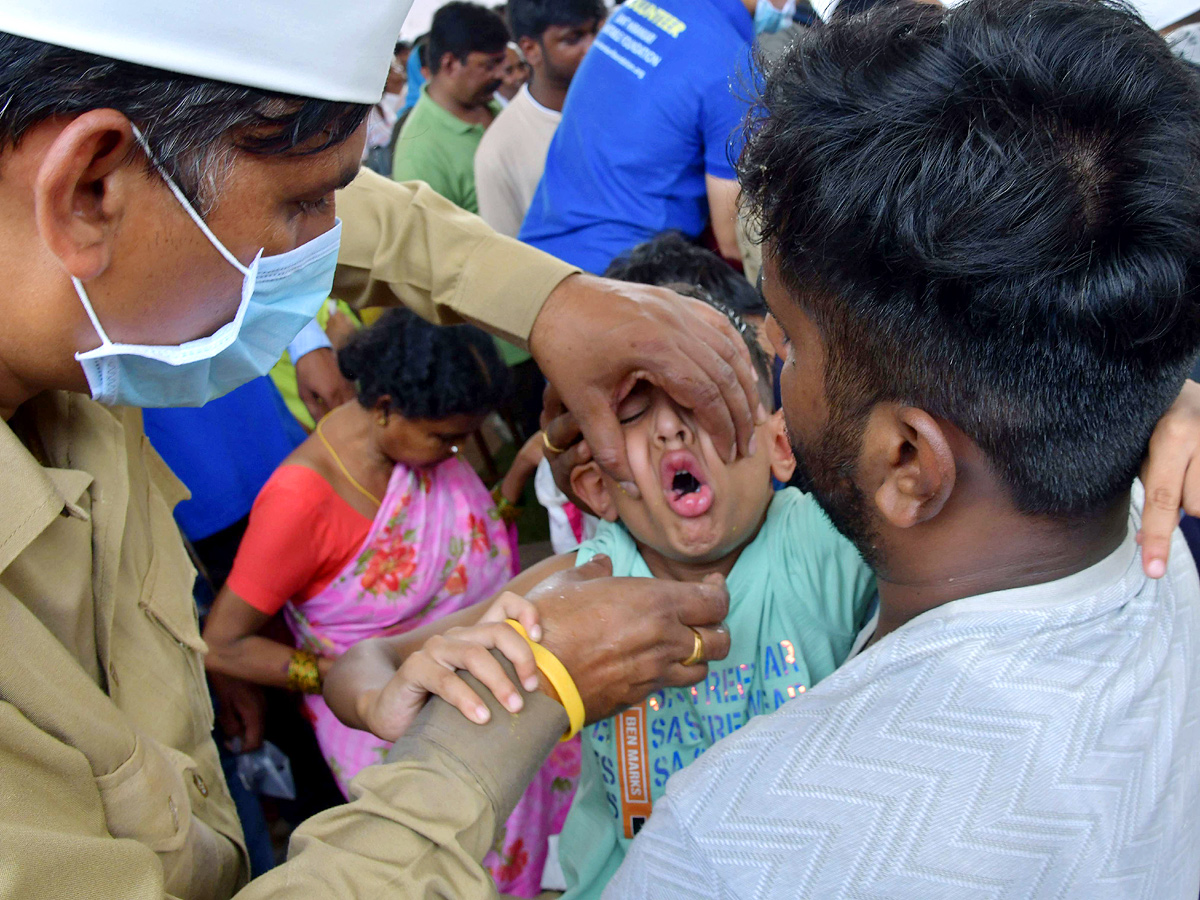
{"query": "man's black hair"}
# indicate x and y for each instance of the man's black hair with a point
(428, 371)
(847, 8)
(461, 29)
(531, 18)
(401, 46)
(992, 212)
(669, 258)
(191, 123)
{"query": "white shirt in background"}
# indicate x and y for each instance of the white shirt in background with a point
(510, 161)
(562, 533)
(381, 121)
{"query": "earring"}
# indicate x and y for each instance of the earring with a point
(454, 449)
(383, 420)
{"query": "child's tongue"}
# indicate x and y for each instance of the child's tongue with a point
(685, 489)
(690, 505)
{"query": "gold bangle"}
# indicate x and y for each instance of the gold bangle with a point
(304, 673)
(558, 676)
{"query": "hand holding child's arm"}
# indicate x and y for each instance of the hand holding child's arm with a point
(388, 710)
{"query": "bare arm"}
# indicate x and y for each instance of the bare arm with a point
(723, 196)
(235, 647)
(522, 469)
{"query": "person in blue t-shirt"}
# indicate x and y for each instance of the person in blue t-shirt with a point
(649, 131)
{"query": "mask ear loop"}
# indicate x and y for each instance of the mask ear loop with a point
(183, 201)
(87, 308)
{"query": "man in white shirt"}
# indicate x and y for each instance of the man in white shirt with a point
(553, 35)
(980, 254)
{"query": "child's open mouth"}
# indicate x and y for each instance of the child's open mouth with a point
(683, 482)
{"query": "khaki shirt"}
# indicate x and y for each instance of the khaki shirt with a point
(110, 784)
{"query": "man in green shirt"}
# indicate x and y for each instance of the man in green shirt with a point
(437, 144)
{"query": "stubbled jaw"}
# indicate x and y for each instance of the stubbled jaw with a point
(683, 482)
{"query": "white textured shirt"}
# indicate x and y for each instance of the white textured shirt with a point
(1042, 742)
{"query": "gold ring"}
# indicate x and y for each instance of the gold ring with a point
(549, 446)
(697, 650)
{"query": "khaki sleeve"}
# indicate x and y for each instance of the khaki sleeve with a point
(420, 825)
(405, 244)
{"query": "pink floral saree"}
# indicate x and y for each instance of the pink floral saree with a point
(437, 545)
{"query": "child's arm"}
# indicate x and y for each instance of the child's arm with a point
(522, 469)
(380, 684)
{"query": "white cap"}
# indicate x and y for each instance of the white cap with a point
(326, 49)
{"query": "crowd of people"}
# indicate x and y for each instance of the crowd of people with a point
(671, 448)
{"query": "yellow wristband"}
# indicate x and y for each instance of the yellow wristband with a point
(558, 676)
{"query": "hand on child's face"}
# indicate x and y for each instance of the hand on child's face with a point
(694, 505)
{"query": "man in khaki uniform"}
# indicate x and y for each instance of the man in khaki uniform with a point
(167, 179)
(167, 174)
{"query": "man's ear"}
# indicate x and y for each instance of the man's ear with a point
(908, 460)
(82, 186)
(783, 461)
(587, 481)
(531, 50)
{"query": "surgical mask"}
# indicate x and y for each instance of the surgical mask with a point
(280, 295)
(768, 19)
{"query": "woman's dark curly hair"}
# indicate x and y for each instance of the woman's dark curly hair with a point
(428, 371)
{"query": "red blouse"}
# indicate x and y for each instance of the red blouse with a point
(301, 535)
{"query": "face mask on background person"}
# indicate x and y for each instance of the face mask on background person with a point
(768, 19)
(280, 295)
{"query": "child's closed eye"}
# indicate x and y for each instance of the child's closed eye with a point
(634, 406)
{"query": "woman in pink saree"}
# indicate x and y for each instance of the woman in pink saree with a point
(374, 527)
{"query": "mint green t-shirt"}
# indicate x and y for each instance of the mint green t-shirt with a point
(798, 597)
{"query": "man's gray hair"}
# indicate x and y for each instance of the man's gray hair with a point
(194, 126)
